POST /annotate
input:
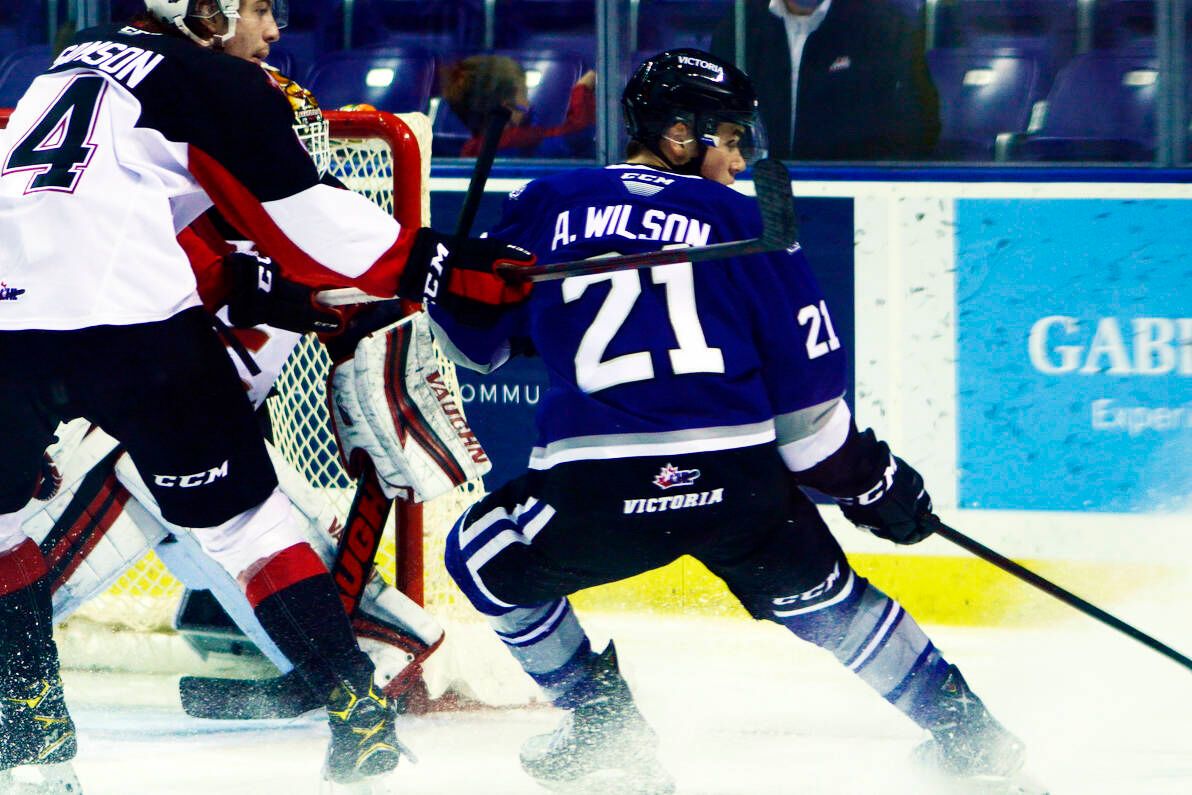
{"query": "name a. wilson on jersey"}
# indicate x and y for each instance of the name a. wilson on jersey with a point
(619, 220)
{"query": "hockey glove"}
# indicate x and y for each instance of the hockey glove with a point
(897, 507)
(459, 275)
(262, 296)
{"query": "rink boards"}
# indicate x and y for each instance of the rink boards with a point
(1027, 345)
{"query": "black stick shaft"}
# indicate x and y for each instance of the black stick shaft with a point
(498, 117)
(1050, 588)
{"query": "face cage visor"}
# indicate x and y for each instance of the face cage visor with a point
(752, 141)
(280, 9)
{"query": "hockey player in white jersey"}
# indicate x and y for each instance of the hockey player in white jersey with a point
(687, 406)
(130, 135)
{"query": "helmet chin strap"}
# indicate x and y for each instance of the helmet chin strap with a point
(692, 166)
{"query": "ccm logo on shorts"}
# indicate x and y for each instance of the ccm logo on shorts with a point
(190, 481)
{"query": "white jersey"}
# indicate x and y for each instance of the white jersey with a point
(124, 141)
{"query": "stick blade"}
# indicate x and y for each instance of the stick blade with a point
(772, 182)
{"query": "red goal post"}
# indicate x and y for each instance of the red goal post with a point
(386, 158)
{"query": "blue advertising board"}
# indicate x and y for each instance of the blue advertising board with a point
(500, 406)
(1074, 354)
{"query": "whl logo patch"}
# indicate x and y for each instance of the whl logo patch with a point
(670, 477)
(10, 293)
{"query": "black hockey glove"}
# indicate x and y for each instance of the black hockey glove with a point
(897, 507)
(261, 295)
(459, 275)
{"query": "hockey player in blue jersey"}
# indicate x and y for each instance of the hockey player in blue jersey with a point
(687, 405)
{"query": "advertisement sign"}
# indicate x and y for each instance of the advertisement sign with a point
(1074, 354)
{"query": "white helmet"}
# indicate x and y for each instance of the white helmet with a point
(175, 12)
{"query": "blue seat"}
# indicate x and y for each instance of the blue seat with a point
(1121, 24)
(388, 79)
(19, 69)
(666, 24)
(1046, 29)
(316, 27)
(441, 26)
(23, 24)
(547, 25)
(1101, 108)
(550, 76)
(982, 94)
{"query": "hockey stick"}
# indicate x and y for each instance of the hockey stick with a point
(287, 696)
(1050, 588)
(496, 120)
(780, 229)
(772, 182)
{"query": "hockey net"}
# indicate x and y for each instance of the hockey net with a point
(386, 158)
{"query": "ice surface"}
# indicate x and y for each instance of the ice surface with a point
(741, 708)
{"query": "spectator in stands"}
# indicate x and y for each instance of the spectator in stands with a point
(477, 84)
(853, 84)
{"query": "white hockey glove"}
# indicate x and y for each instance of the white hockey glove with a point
(392, 402)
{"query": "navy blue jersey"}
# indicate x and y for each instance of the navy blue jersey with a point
(670, 359)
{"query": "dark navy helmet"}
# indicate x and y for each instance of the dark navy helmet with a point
(697, 88)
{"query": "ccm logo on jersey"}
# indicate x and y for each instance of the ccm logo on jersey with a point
(435, 272)
(190, 481)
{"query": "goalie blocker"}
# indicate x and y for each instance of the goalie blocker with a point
(391, 402)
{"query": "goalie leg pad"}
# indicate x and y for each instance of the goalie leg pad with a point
(392, 402)
(88, 530)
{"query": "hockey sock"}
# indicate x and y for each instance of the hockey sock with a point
(550, 645)
(297, 603)
(875, 638)
(27, 650)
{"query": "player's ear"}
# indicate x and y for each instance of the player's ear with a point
(672, 143)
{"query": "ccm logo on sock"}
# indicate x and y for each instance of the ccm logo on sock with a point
(190, 481)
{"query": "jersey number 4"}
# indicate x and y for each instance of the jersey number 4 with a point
(57, 147)
(593, 372)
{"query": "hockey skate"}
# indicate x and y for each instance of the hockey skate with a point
(38, 735)
(970, 749)
(363, 739)
(603, 745)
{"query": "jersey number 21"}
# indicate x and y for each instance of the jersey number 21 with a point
(593, 372)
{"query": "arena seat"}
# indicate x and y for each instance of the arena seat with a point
(441, 26)
(548, 25)
(389, 79)
(22, 24)
(1101, 108)
(666, 24)
(982, 94)
(1046, 29)
(18, 69)
(550, 76)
